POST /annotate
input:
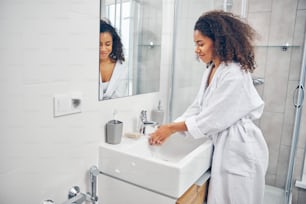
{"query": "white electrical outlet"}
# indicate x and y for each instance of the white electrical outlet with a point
(65, 104)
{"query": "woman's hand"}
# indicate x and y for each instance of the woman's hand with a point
(165, 131)
(160, 135)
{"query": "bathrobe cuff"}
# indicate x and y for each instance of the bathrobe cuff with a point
(193, 129)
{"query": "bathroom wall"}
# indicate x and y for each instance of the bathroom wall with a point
(50, 47)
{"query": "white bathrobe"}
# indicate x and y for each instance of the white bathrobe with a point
(224, 112)
(118, 84)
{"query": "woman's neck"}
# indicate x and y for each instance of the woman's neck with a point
(216, 62)
(107, 61)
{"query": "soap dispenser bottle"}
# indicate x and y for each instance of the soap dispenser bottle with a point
(157, 115)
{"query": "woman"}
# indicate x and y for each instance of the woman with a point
(224, 110)
(113, 72)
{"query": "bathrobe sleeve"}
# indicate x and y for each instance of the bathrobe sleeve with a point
(233, 97)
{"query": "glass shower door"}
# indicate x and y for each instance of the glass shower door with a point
(187, 71)
(279, 57)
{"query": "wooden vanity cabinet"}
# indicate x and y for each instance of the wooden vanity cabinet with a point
(194, 195)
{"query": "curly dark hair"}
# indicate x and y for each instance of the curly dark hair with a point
(232, 38)
(117, 51)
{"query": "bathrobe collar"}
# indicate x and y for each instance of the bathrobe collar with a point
(117, 75)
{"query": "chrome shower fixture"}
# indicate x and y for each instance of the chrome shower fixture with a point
(258, 81)
(93, 172)
(75, 196)
(227, 5)
(74, 191)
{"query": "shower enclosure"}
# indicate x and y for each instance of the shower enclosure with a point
(280, 65)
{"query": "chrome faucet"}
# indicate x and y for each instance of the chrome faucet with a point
(77, 199)
(144, 122)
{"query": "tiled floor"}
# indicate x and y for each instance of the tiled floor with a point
(273, 195)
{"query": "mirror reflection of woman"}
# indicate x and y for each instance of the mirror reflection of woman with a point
(113, 71)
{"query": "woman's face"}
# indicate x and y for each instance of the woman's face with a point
(106, 45)
(204, 46)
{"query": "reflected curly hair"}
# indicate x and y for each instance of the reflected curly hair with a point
(232, 38)
(117, 51)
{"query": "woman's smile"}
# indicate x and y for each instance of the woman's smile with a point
(204, 46)
(106, 45)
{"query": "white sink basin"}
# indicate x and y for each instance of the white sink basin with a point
(169, 169)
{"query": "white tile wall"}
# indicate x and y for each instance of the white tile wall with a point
(50, 47)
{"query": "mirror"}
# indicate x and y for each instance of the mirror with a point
(138, 23)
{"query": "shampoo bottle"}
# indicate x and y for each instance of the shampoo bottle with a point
(157, 115)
